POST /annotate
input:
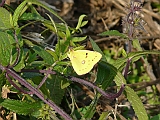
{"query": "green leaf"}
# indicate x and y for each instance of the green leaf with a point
(80, 21)
(4, 19)
(54, 85)
(119, 79)
(137, 45)
(104, 115)
(136, 104)
(37, 2)
(84, 23)
(104, 76)
(120, 63)
(156, 117)
(20, 64)
(44, 54)
(91, 109)
(112, 33)
(96, 48)
(21, 107)
(31, 16)
(6, 41)
(68, 34)
(133, 55)
(124, 53)
(64, 84)
(61, 28)
(53, 23)
(116, 75)
(78, 39)
(31, 56)
(113, 71)
(18, 13)
(137, 55)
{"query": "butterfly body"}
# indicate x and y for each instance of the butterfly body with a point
(83, 60)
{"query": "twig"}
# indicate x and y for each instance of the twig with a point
(144, 84)
(151, 13)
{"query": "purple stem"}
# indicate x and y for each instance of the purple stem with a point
(44, 79)
(39, 71)
(49, 102)
(2, 3)
(109, 96)
(81, 81)
(126, 69)
(36, 92)
(17, 87)
(47, 72)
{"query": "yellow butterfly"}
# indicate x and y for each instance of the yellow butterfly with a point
(83, 60)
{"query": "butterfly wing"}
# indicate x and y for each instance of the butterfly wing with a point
(83, 60)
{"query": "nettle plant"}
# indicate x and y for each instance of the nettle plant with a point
(41, 76)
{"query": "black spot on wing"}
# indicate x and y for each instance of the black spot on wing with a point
(86, 55)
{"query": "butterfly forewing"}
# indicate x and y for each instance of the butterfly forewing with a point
(83, 60)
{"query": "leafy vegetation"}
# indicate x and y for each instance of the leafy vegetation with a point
(41, 76)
